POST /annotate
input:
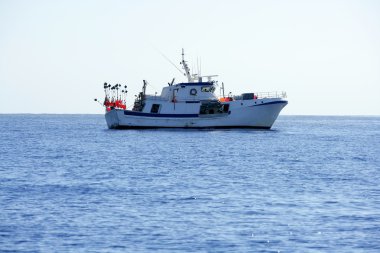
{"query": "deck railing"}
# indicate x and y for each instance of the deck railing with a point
(265, 94)
(271, 94)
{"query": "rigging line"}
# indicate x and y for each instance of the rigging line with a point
(148, 84)
(166, 58)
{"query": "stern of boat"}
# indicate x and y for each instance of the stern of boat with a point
(112, 119)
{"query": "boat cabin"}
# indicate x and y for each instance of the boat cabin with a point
(182, 98)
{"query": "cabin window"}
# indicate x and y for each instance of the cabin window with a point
(155, 108)
(208, 89)
(226, 107)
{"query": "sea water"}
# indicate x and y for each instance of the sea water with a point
(68, 184)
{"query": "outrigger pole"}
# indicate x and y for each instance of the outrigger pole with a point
(166, 58)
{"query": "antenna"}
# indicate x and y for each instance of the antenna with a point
(171, 83)
(144, 87)
(200, 66)
(199, 69)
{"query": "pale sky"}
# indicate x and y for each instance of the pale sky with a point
(56, 55)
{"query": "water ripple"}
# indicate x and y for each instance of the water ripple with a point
(69, 184)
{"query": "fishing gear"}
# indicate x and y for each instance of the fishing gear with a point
(112, 98)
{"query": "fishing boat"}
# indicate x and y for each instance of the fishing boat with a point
(192, 104)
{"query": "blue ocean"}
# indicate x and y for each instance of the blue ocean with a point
(69, 184)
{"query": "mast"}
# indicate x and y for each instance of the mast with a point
(186, 67)
(144, 87)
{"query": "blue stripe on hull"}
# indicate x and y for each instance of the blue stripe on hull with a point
(271, 103)
(159, 115)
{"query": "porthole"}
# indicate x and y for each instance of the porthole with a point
(193, 92)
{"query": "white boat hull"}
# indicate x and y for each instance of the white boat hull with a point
(260, 113)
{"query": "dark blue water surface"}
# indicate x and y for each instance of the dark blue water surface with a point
(68, 184)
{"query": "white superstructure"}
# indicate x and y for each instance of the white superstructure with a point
(194, 105)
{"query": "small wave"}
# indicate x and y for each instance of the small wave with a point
(357, 158)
